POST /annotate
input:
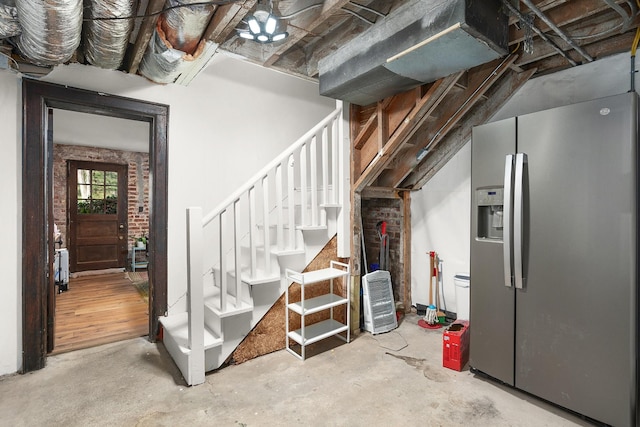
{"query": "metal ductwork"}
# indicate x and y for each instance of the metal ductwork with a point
(418, 43)
(184, 26)
(176, 42)
(9, 24)
(105, 41)
(51, 30)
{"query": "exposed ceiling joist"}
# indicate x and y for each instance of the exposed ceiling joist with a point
(436, 92)
(449, 113)
(455, 140)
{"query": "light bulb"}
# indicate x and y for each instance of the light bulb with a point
(270, 25)
(280, 36)
(246, 35)
(263, 38)
(254, 26)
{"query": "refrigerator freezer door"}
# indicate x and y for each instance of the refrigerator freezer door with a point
(576, 317)
(492, 303)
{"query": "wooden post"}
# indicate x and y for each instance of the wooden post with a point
(406, 250)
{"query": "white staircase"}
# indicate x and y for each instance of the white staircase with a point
(237, 254)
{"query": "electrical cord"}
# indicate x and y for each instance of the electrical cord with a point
(406, 344)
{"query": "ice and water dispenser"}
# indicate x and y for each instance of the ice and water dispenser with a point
(490, 203)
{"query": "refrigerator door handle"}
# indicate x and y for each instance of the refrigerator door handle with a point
(506, 218)
(518, 219)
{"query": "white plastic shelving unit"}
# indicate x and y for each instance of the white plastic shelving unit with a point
(309, 334)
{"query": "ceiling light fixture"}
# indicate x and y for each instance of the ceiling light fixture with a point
(263, 25)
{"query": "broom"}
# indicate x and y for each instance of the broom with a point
(431, 317)
(430, 320)
(439, 313)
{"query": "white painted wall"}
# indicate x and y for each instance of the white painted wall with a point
(441, 211)
(232, 120)
(10, 224)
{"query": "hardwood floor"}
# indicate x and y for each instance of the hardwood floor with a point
(98, 310)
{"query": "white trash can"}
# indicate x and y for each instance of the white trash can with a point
(462, 282)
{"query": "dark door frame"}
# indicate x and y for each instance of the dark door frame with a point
(37, 99)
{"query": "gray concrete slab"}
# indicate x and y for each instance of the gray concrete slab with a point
(390, 379)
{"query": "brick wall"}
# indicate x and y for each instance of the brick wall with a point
(389, 210)
(136, 162)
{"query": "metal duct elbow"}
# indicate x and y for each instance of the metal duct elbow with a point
(9, 24)
(163, 64)
(183, 26)
(106, 41)
(51, 30)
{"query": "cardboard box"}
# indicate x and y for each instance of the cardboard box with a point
(455, 345)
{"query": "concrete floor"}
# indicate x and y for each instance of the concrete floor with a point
(390, 379)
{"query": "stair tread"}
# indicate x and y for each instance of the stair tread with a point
(288, 252)
(212, 301)
(311, 227)
(260, 278)
(176, 325)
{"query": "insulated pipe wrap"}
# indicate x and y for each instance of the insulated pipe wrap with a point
(106, 40)
(160, 63)
(51, 30)
(183, 26)
(9, 24)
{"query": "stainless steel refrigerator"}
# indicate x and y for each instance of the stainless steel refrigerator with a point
(554, 256)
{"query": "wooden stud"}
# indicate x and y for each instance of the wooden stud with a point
(406, 250)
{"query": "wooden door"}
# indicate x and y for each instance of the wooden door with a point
(97, 215)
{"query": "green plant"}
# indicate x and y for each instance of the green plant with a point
(142, 238)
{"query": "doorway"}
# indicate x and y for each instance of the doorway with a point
(37, 222)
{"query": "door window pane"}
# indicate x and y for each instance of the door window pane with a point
(97, 192)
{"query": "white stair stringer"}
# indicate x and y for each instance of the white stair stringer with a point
(264, 228)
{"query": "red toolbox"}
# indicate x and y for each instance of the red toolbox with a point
(455, 345)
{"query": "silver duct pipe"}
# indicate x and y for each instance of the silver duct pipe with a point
(9, 24)
(183, 27)
(163, 64)
(176, 41)
(105, 41)
(557, 30)
(160, 63)
(51, 30)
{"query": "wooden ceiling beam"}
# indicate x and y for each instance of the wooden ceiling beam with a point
(452, 112)
(144, 34)
(563, 15)
(542, 51)
(500, 94)
(606, 47)
(226, 19)
(379, 193)
(299, 31)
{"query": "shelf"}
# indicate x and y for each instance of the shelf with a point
(316, 304)
(135, 263)
(321, 330)
(318, 331)
(316, 276)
